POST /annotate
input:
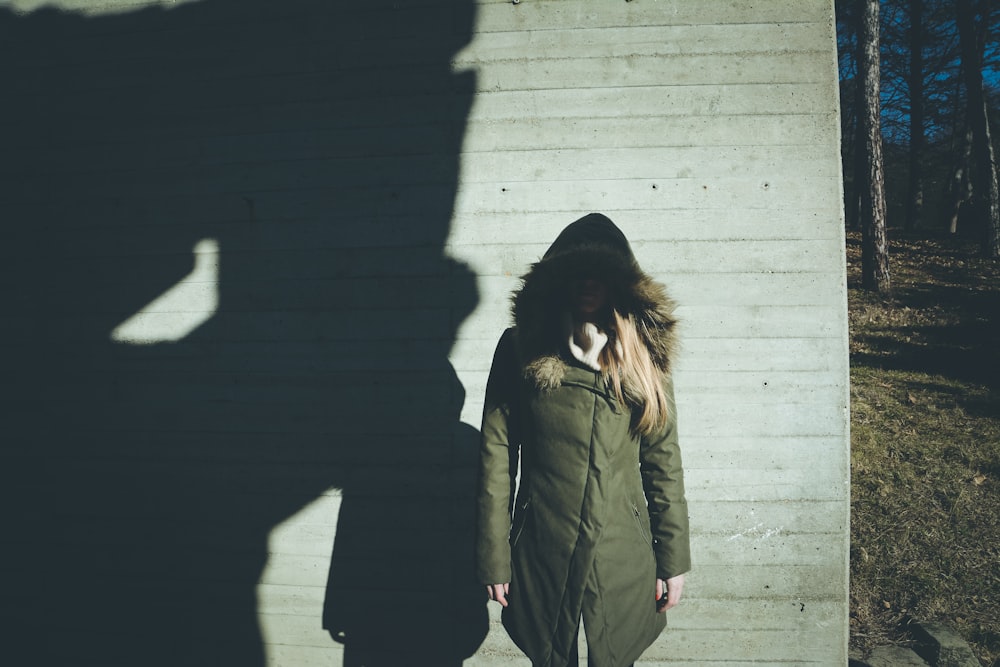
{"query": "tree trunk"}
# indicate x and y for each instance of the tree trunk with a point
(854, 197)
(984, 177)
(958, 187)
(874, 244)
(915, 200)
(853, 146)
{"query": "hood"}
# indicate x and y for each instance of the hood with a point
(591, 246)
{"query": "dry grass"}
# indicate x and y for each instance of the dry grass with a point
(926, 445)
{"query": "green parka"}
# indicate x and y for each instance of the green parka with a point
(600, 511)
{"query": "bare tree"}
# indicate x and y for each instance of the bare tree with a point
(958, 184)
(915, 199)
(984, 176)
(850, 101)
(874, 244)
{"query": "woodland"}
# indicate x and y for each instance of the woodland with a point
(920, 81)
(920, 94)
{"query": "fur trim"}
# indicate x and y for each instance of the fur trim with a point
(538, 306)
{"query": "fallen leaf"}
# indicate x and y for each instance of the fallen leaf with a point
(912, 399)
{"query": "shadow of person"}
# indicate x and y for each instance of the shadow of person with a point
(314, 147)
(402, 551)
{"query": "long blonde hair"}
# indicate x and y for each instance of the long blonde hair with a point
(629, 370)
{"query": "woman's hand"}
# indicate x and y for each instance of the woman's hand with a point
(498, 592)
(668, 592)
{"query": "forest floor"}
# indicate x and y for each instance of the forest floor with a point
(925, 442)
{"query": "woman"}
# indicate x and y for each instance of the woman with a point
(580, 396)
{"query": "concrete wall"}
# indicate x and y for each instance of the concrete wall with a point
(256, 259)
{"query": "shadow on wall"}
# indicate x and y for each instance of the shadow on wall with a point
(315, 145)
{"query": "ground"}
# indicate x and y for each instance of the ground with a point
(925, 441)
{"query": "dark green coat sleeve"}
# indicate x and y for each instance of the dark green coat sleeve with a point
(498, 466)
(663, 484)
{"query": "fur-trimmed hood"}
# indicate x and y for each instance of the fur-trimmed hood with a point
(593, 246)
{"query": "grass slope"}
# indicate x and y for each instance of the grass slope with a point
(925, 442)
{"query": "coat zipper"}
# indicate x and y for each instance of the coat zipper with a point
(520, 518)
(638, 523)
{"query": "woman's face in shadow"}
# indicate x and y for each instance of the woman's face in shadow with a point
(588, 297)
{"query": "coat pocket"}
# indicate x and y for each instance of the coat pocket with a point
(641, 525)
(520, 518)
